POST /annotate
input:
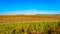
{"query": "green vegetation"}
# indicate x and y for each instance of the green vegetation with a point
(24, 28)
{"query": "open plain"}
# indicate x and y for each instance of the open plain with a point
(28, 18)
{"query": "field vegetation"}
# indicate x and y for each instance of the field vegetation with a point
(30, 28)
(28, 18)
(30, 24)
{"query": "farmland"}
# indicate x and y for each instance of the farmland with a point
(33, 24)
(30, 28)
(28, 18)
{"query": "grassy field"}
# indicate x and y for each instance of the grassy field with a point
(33, 24)
(30, 28)
(28, 18)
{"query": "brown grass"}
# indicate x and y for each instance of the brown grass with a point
(27, 18)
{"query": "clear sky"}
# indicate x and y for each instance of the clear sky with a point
(12, 7)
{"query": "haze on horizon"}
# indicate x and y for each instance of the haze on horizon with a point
(29, 7)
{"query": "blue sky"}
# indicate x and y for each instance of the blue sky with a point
(12, 7)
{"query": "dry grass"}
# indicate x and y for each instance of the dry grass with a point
(27, 18)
